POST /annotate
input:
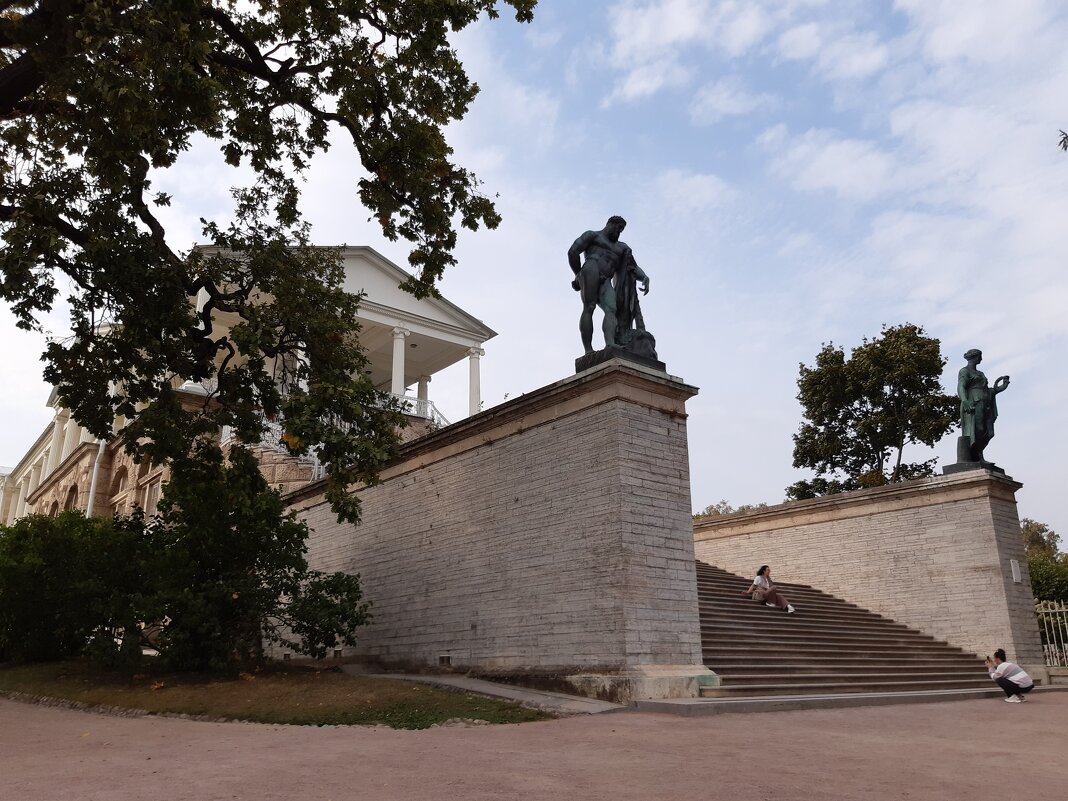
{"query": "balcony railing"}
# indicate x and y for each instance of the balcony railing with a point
(418, 407)
(272, 436)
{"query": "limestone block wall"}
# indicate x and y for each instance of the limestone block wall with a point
(935, 554)
(551, 534)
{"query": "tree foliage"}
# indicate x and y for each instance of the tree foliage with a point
(860, 412)
(98, 96)
(222, 568)
(59, 578)
(1047, 565)
(724, 507)
(1040, 539)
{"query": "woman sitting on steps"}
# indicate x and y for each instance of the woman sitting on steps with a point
(763, 589)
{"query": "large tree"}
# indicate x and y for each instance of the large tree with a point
(98, 96)
(860, 412)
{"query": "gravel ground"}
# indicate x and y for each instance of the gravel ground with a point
(938, 752)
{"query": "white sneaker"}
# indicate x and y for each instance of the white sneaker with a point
(1012, 699)
(790, 609)
(771, 605)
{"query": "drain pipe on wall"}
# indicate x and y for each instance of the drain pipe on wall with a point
(92, 481)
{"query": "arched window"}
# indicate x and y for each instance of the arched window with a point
(118, 482)
(72, 499)
(52, 512)
(118, 488)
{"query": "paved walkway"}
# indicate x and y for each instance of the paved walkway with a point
(982, 749)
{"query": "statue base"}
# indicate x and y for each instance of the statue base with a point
(595, 357)
(963, 467)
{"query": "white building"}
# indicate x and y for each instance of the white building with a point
(408, 340)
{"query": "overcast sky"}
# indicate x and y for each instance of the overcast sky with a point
(793, 172)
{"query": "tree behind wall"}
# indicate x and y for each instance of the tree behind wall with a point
(1047, 565)
(96, 98)
(861, 412)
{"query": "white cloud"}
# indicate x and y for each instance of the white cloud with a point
(981, 31)
(650, 40)
(724, 98)
(693, 192)
(820, 160)
(800, 41)
(852, 57)
(740, 26)
(648, 79)
(836, 52)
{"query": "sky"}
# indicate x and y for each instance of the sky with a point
(793, 172)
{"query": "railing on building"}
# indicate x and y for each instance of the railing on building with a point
(421, 407)
(272, 439)
(272, 436)
(1053, 626)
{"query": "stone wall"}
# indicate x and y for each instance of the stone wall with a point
(549, 536)
(935, 554)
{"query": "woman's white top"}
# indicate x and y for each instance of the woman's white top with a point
(762, 581)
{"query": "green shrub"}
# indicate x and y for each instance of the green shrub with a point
(63, 581)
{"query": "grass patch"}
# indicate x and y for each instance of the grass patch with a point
(274, 695)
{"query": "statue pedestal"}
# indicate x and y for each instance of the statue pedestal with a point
(962, 467)
(595, 357)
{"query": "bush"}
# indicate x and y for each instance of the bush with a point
(222, 568)
(64, 581)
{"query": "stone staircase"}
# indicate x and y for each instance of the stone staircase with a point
(830, 647)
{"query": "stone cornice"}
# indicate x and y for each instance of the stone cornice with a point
(63, 470)
(903, 495)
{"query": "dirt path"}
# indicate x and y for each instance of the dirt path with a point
(938, 752)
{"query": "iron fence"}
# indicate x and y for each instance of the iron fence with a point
(1053, 626)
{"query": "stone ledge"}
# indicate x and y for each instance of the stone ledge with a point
(861, 503)
(644, 682)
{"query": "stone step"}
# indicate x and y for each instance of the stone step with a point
(829, 647)
(697, 707)
(774, 619)
(814, 604)
(742, 654)
(721, 631)
(829, 686)
(770, 648)
(838, 677)
(840, 668)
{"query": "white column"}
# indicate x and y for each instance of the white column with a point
(35, 482)
(422, 408)
(473, 356)
(35, 476)
(20, 505)
(71, 439)
(399, 335)
(59, 426)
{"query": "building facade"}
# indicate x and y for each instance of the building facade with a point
(408, 340)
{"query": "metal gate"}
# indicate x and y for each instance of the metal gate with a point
(1053, 626)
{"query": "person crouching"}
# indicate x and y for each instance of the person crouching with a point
(1009, 676)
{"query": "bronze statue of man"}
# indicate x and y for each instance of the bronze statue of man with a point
(978, 407)
(607, 278)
